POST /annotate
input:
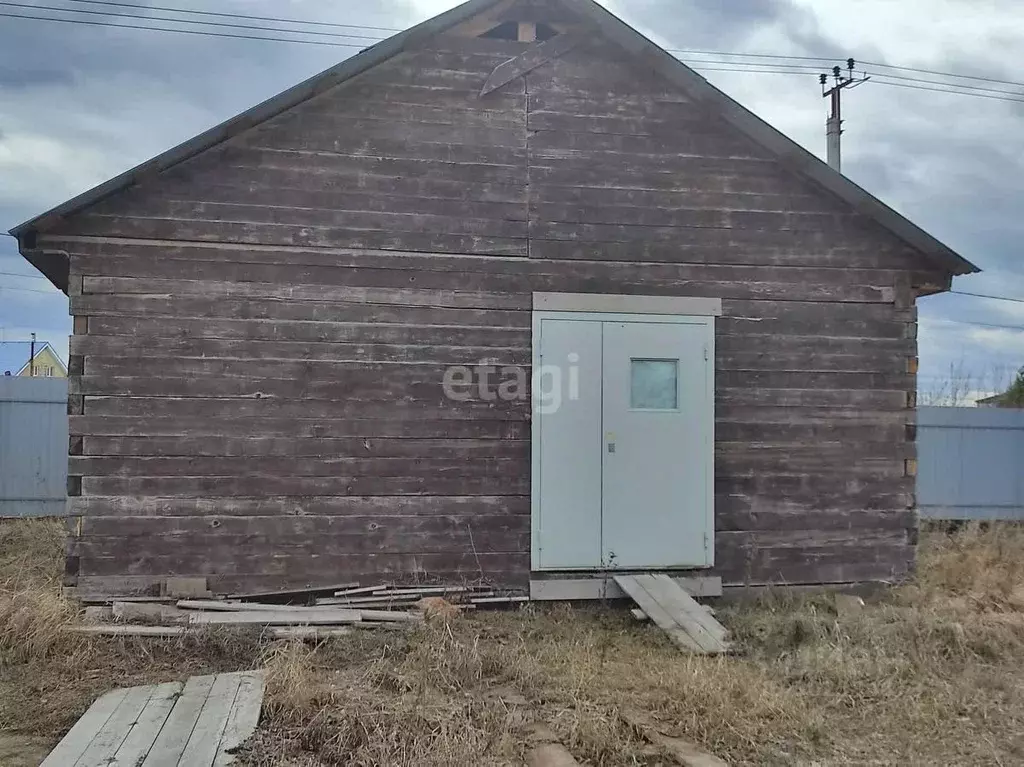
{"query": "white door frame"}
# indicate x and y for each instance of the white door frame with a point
(619, 308)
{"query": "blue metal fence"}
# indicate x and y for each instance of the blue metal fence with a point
(970, 463)
(33, 446)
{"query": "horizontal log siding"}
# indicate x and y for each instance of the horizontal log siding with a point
(256, 391)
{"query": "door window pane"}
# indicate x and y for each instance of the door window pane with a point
(654, 385)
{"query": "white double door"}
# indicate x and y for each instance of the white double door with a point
(623, 436)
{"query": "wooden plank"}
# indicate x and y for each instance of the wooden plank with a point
(204, 743)
(504, 569)
(160, 632)
(424, 197)
(100, 507)
(364, 268)
(312, 617)
(388, 616)
(423, 591)
(231, 487)
(671, 599)
(376, 235)
(370, 601)
(356, 590)
(173, 739)
(173, 632)
(689, 606)
(498, 409)
(291, 593)
(213, 605)
(175, 587)
(111, 257)
(85, 730)
(304, 467)
(303, 447)
(341, 535)
(330, 332)
(268, 427)
(309, 633)
(658, 614)
(127, 347)
(116, 729)
(372, 295)
(243, 717)
(499, 600)
(147, 727)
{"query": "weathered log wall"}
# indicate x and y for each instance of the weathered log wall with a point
(261, 333)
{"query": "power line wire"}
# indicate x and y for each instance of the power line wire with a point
(734, 66)
(180, 31)
(987, 295)
(364, 27)
(238, 16)
(801, 67)
(978, 88)
(943, 74)
(830, 61)
(983, 324)
(151, 17)
(29, 290)
(912, 86)
(18, 274)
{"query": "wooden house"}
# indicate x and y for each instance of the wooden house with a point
(303, 340)
(31, 359)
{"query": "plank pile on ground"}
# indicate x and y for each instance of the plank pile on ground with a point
(327, 611)
(386, 597)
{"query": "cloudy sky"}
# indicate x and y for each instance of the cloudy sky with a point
(79, 104)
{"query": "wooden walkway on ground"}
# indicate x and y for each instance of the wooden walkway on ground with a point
(688, 623)
(196, 724)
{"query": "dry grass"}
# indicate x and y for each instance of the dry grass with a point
(49, 677)
(32, 610)
(931, 673)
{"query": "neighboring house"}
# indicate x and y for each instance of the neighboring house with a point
(16, 360)
(1011, 398)
(299, 337)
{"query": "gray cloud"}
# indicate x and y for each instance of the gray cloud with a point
(21, 77)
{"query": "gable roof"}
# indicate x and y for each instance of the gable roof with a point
(789, 153)
(14, 355)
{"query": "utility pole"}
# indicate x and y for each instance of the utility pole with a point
(32, 357)
(834, 125)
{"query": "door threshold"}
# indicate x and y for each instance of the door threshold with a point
(600, 586)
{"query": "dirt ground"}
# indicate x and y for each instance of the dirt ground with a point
(22, 750)
(930, 673)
